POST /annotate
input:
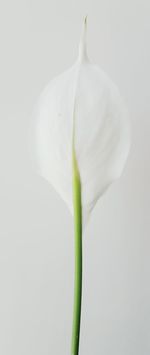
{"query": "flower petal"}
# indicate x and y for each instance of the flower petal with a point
(84, 104)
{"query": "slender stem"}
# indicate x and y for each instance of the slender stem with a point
(78, 258)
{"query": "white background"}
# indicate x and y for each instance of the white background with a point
(38, 40)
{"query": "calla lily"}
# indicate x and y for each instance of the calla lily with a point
(82, 143)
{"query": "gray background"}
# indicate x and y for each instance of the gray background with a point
(38, 40)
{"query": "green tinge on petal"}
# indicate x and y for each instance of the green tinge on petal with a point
(77, 203)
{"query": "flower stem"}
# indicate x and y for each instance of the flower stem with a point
(78, 257)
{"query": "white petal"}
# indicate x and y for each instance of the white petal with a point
(53, 138)
(102, 137)
(84, 97)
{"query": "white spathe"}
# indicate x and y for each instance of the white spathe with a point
(85, 103)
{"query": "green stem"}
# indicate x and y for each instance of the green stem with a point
(78, 257)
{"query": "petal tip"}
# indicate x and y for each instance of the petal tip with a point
(82, 45)
(85, 20)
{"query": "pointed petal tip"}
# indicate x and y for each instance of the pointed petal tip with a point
(82, 44)
(85, 19)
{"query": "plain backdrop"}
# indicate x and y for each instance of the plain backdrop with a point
(38, 40)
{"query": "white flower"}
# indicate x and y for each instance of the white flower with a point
(83, 106)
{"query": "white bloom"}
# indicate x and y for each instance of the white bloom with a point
(85, 103)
